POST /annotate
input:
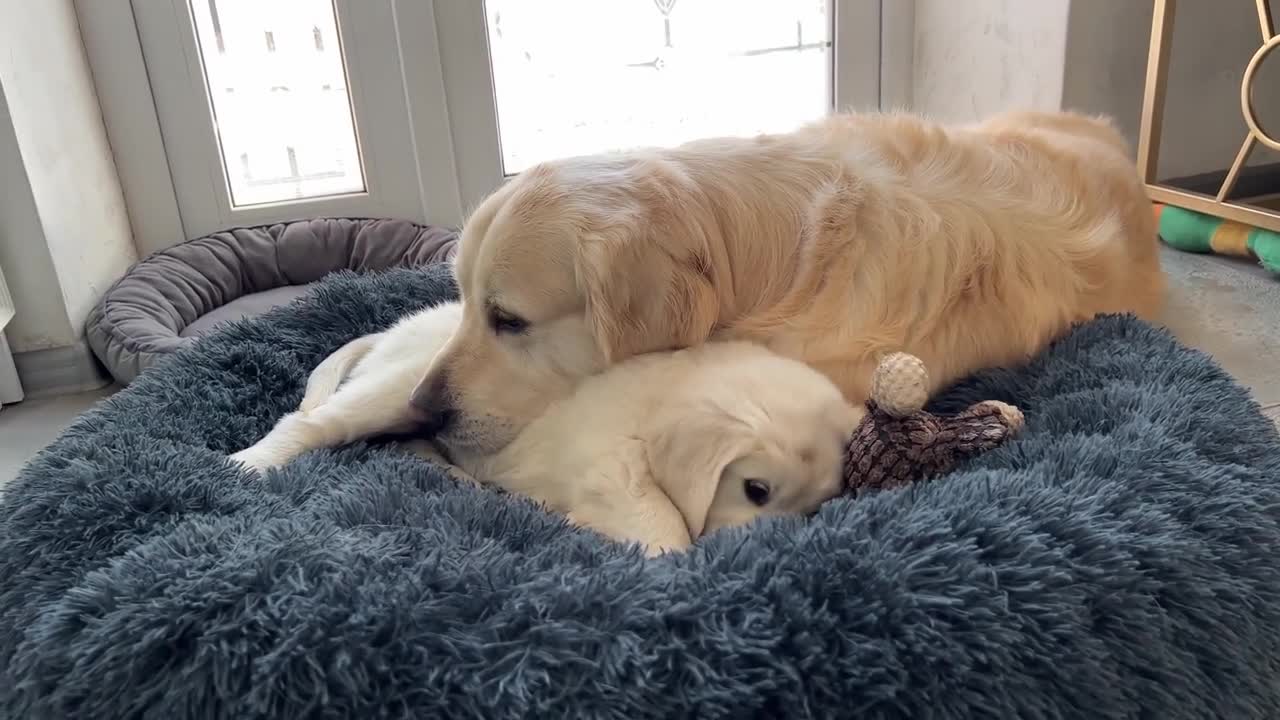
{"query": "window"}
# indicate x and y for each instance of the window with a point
(573, 77)
(241, 112)
(277, 103)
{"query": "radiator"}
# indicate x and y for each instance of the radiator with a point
(10, 388)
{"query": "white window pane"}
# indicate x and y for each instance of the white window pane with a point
(581, 76)
(278, 86)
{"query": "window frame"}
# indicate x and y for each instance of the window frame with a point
(422, 93)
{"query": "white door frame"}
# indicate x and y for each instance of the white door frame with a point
(421, 87)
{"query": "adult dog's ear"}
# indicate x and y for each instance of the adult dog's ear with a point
(649, 285)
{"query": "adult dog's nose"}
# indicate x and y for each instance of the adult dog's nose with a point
(431, 399)
(436, 422)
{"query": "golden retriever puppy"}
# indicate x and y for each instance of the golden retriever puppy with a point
(833, 245)
(658, 450)
(666, 447)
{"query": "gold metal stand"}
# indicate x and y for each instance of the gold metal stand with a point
(1221, 205)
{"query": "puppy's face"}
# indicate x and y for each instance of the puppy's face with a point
(564, 271)
(764, 436)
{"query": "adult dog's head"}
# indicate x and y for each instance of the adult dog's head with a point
(567, 269)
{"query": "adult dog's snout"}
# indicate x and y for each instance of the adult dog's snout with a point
(431, 399)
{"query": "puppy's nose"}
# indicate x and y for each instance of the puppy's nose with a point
(431, 399)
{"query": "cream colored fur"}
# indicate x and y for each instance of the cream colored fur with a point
(658, 449)
(655, 451)
(833, 245)
(360, 391)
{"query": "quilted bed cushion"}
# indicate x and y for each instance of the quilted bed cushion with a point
(188, 289)
(1117, 560)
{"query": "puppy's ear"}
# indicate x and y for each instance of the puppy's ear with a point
(688, 457)
(647, 291)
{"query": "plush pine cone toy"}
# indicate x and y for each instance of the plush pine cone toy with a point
(899, 443)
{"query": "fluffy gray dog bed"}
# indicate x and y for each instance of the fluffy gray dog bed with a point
(1117, 560)
(185, 291)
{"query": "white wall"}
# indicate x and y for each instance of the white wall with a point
(79, 220)
(1105, 71)
(975, 57)
(41, 319)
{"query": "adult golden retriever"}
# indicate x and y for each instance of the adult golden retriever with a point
(853, 237)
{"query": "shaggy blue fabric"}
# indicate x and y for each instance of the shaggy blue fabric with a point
(1118, 560)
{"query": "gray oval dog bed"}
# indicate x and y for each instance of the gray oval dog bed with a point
(183, 292)
(1116, 560)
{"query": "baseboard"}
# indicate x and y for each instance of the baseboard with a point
(60, 371)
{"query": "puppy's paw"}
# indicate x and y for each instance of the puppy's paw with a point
(652, 550)
(253, 458)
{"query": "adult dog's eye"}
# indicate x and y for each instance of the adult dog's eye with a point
(757, 491)
(504, 322)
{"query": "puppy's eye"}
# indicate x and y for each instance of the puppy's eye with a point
(504, 322)
(757, 491)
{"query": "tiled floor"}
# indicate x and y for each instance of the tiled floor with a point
(30, 425)
(1231, 308)
(1227, 307)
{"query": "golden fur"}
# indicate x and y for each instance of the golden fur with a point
(847, 239)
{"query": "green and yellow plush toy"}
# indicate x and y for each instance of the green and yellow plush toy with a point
(1199, 233)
